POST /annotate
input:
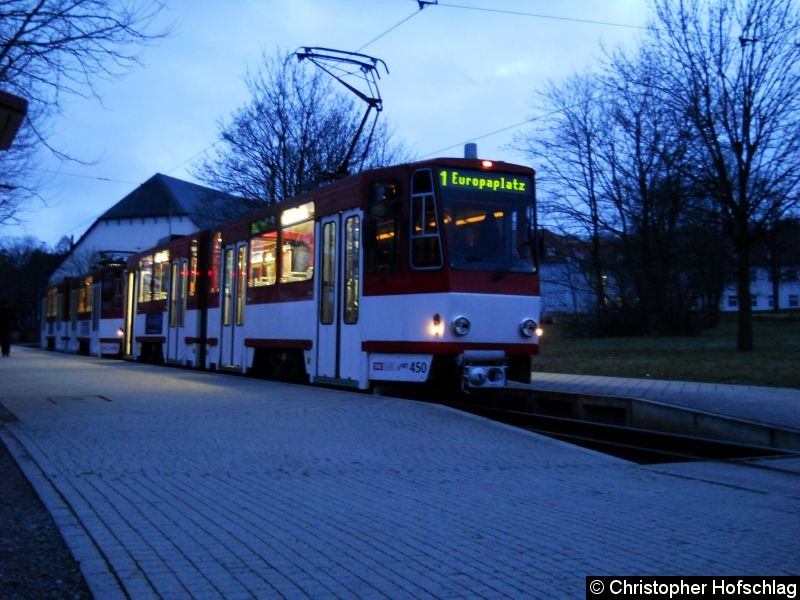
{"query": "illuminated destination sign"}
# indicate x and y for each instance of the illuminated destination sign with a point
(481, 181)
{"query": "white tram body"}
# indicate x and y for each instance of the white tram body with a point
(399, 274)
(83, 315)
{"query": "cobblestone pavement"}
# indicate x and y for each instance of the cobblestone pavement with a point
(177, 484)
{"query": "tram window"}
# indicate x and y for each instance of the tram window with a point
(297, 252)
(426, 249)
(111, 291)
(85, 295)
(160, 275)
(352, 247)
(241, 294)
(73, 309)
(382, 226)
(173, 295)
(146, 279)
(52, 300)
(227, 293)
(193, 269)
(297, 243)
(213, 273)
(327, 295)
(263, 253)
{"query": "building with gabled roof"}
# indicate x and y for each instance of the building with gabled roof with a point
(161, 207)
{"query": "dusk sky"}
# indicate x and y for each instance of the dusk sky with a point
(456, 74)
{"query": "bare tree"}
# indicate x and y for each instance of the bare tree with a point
(730, 67)
(50, 49)
(295, 130)
(566, 146)
(612, 163)
(17, 186)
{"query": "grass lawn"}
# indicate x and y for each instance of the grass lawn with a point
(709, 357)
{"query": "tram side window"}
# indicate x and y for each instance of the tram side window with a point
(192, 285)
(85, 295)
(263, 256)
(111, 291)
(426, 248)
(213, 273)
(146, 279)
(297, 243)
(73, 310)
(352, 252)
(160, 275)
(382, 226)
(52, 302)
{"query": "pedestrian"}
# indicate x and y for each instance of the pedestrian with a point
(8, 324)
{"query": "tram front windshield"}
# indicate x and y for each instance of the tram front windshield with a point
(488, 218)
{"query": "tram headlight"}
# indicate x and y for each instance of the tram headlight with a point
(529, 328)
(461, 325)
(437, 327)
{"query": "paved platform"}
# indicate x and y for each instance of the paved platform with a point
(169, 483)
(779, 407)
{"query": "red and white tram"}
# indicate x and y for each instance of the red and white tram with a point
(84, 314)
(396, 274)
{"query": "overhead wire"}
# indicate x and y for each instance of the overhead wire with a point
(491, 133)
(517, 13)
(422, 5)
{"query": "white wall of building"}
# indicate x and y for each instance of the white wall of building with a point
(762, 292)
(120, 236)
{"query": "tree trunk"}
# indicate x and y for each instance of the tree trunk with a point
(744, 335)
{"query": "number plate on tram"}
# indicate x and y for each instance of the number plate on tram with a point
(400, 367)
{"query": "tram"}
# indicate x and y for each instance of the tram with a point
(414, 273)
(83, 314)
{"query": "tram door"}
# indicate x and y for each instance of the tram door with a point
(179, 270)
(338, 336)
(233, 290)
(130, 308)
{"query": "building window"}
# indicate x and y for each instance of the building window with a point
(733, 301)
(793, 301)
(754, 301)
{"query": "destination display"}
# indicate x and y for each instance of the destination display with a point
(481, 181)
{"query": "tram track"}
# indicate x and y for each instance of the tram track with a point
(643, 446)
(639, 445)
